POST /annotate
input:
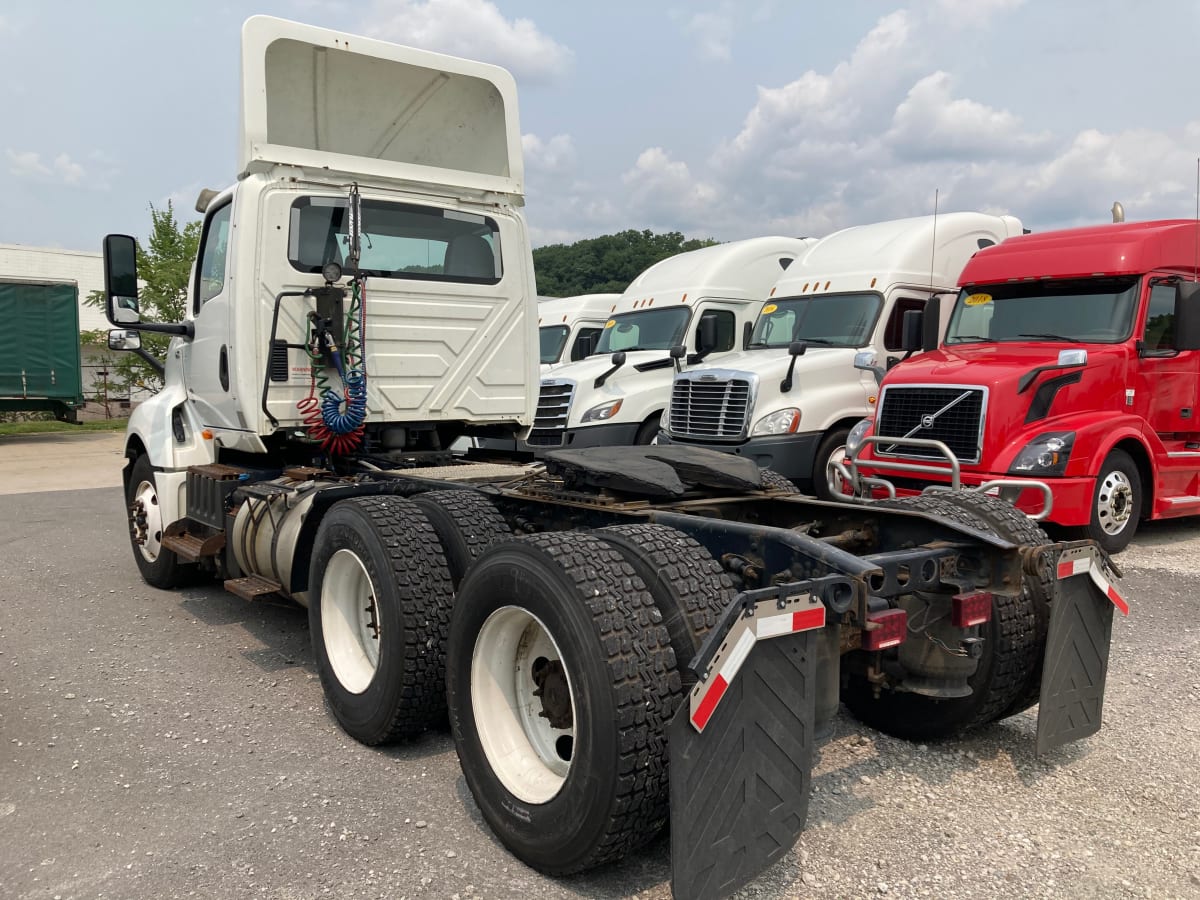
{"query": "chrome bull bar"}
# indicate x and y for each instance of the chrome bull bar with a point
(861, 485)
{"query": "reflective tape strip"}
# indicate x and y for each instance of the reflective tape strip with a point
(790, 623)
(705, 710)
(1089, 564)
(1074, 567)
(1109, 591)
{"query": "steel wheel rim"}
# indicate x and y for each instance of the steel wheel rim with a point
(1114, 502)
(527, 753)
(146, 518)
(350, 625)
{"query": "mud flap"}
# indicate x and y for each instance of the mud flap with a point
(1077, 645)
(741, 759)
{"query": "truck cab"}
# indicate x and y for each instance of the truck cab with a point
(789, 399)
(569, 327)
(368, 274)
(1070, 358)
(696, 303)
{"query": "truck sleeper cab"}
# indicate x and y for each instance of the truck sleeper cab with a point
(1070, 358)
(570, 327)
(701, 301)
(790, 398)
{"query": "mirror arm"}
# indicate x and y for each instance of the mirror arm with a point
(152, 361)
(183, 329)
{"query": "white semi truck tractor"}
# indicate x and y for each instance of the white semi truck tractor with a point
(791, 397)
(620, 638)
(570, 327)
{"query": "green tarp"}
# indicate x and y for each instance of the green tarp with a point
(39, 343)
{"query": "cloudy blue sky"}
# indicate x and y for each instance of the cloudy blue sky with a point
(715, 118)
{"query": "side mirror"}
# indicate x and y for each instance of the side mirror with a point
(797, 348)
(706, 334)
(747, 330)
(1187, 315)
(932, 324)
(586, 346)
(866, 360)
(912, 331)
(618, 358)
(120, 279)
(123, 339)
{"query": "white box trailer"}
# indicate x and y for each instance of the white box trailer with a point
(701, 300)
(791, 397)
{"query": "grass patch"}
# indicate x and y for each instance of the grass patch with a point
(54, 425)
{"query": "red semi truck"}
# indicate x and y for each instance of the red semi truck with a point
(1070, 358)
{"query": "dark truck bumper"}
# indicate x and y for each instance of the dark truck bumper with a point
(612, 435)
(741, 746)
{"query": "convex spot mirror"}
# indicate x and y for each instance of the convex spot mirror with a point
(120, 279)
(123, 339)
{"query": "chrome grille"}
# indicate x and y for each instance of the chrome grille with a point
(550, 423)
(709, 407)
(952, 414)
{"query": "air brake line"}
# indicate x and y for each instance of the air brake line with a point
(335, 418)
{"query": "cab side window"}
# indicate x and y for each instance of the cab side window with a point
(726, 326)
(1159, 336)
(210, 273)
(893, 332)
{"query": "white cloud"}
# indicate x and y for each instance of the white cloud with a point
(713, 34)
(68, 170)
(475, 29)
(972, 13)
(657, 183)
(554, 155)
(931, 124)
(25, 163)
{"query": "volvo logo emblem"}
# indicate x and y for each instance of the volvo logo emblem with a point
(927, 421)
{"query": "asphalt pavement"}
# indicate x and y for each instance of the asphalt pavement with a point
(176, 744)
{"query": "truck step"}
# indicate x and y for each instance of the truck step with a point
(252, 587)
(191, 547)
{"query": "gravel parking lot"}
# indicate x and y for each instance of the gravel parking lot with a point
(176, 744)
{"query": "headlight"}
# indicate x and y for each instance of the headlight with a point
(786, 421)
(602, 412)
(855, 438)
(1046, 454)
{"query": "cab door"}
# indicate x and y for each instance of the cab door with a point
(209, 361)
(1165, 393)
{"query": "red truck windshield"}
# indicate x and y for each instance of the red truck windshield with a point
(1082, 310)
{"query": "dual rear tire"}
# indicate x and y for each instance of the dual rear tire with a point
(558, 657)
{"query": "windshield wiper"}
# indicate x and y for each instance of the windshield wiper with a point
(812, 340)
(1051, 337)
(970, 338)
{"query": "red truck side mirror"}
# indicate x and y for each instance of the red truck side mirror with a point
(1187, 315)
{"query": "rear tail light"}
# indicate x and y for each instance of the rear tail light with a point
(971, 609)
(886, 628)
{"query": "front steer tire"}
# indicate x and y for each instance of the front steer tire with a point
(160, 567)
(379, 609)
(575, 596)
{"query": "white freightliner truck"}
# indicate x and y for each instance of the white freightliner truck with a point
(569, 327)
(789, 400)
(700, 300)
(621, 637)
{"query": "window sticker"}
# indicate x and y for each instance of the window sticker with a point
(769, 308)
(978, 300)
(610, 323)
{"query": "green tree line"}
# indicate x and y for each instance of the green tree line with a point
(605, 264)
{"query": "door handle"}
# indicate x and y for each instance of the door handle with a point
(223, 369)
